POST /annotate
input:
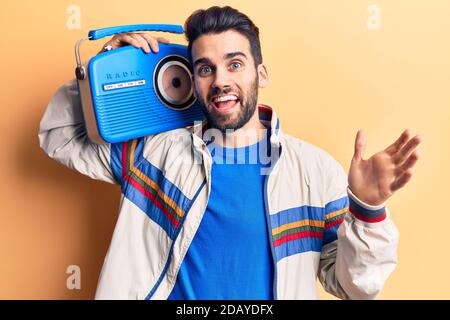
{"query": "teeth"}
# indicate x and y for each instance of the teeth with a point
(225, 98)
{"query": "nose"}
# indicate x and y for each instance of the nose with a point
(221, 80)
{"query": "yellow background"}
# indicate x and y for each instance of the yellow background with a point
(330, 76)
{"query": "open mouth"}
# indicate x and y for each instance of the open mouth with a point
(225, 103)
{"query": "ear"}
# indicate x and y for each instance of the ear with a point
(263, 76)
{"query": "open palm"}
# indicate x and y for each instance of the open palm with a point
(376, 179)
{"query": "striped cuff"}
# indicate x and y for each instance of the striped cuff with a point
(364, 211)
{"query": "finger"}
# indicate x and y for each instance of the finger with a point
(401, 181)
(152, 41)
(127, 39)
(409, 163)
(404, 137)
(360, 145)
(163, 40)
(143, 42)
(405, 152)
(115, 42)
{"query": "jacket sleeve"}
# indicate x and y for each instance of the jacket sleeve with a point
(63, 137)
(360, 243)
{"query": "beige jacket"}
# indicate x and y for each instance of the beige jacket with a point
(166, 181)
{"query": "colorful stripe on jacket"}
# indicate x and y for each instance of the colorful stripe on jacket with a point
(367, 215)
(145, 185)
(306, 228)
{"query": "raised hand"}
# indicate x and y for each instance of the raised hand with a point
(376, 179)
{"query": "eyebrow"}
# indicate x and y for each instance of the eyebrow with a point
(226, 57)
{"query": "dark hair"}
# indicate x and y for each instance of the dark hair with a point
(217, 20)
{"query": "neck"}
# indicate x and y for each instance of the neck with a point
(252, 132)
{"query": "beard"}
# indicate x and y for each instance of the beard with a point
(236, 120)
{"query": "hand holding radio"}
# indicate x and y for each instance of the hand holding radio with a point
(137, 40)
(128, 93)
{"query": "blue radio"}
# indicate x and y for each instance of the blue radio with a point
(126, 93)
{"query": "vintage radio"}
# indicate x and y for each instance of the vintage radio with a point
(127, 93)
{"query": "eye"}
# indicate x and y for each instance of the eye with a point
(235, 65)
(204, 70)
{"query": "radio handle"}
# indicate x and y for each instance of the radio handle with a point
(96, 34)
(104, 32)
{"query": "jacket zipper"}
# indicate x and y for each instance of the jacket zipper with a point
(169, 258)
(269, 230)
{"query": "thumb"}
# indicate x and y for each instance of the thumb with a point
(360, 145)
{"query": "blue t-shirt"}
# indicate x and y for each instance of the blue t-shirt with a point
(230, 257)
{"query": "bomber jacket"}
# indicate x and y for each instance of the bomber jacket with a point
(319, 229)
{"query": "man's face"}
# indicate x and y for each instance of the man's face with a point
(225, 79)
